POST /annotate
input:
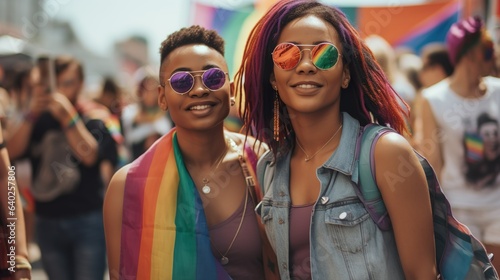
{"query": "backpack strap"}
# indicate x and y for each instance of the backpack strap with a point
(367, 189)
(459, 255)
(268, 254)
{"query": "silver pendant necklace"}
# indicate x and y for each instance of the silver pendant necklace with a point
(206, 187)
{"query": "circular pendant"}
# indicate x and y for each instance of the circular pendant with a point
(206, 189)
(224, 260)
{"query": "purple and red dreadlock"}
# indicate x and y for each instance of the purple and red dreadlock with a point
(368, 92)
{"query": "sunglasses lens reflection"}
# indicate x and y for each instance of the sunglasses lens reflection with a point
(325, 56)
(181, 82)
(214, 78)
(287, 56)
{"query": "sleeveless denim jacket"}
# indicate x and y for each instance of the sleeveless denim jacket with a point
(345, 243)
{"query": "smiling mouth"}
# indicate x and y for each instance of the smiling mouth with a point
(307, 86)
(199, 107)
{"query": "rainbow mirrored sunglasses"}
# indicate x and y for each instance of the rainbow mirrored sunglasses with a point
(182, 82)
(288, 55)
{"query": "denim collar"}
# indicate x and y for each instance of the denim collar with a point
(343, 159)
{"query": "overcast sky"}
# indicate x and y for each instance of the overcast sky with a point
(98, 24)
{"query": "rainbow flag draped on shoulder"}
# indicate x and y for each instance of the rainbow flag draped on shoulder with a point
(164, 229)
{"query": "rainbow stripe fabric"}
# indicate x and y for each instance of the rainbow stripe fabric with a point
(473, 147)
(112, 123)
(164, 229)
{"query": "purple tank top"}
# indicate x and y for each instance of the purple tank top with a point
(300, 261)
(245, 256)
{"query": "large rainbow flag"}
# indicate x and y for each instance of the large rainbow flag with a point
(164, 229)
(410, 26)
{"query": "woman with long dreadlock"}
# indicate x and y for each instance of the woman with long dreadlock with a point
(311, 84)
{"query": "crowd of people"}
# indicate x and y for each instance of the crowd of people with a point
(164, 188)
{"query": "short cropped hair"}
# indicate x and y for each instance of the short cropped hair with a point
(194, 34)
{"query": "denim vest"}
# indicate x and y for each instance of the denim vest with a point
(345, 243)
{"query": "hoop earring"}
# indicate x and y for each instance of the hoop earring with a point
(276, 119)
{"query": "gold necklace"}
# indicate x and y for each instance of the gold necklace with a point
(224, 259)
(206, 188)
(308, 158)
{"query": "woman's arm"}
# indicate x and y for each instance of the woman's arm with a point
(403, 186)
(81, 141)
(113, 206)
(19, 136)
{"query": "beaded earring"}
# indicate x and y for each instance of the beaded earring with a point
(276, 120)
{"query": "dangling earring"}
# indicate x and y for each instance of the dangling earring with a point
(232, 101)
(276, 130)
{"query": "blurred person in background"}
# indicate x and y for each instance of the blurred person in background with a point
(410, 65)
(386, 57)
(66, 144)
(144, 121)
(11, 65)
(19, 94)
(20, 97)
(436, 64)
(111, 96)
(460, 117)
